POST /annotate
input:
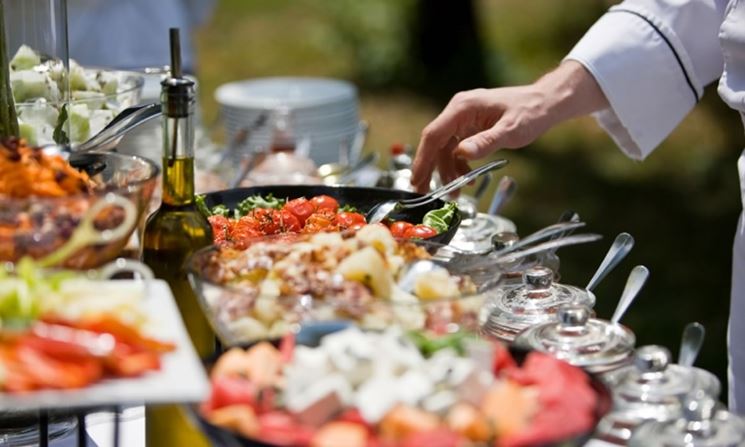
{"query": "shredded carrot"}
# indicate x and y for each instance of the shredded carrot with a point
(28, 172)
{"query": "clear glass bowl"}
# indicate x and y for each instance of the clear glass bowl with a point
(42, 116)
(239, 317)
(37, 226)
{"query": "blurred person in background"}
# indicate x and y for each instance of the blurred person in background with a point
(133, 34)
(639, 70)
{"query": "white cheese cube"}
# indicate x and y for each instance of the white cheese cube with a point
(316, 404)
(440, 402)
(413, 386)
(376, 397)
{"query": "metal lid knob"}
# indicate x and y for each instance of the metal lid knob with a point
(538, 278)
(652, 359)
(504, 240)
(699, 407)
(573, 316)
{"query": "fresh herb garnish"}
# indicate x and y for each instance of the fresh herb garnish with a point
(347, 208)
(250, 203)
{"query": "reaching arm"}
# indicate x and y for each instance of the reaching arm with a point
(639, 70)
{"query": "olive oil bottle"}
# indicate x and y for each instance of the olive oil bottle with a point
(171, 235)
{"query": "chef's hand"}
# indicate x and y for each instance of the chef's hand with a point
(478, 122)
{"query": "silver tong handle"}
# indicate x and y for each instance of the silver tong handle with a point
(544, 233)
(577, 239)
(505, 190)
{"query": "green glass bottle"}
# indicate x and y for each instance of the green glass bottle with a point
(175, 231)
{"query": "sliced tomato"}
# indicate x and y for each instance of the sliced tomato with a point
(282, 429)
(399, 228)
(52, 373)
(287, 347)
(300, 208)
(324, 202)
(420, 231)
(441, 437)
(347, 219)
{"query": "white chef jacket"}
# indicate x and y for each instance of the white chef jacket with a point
(652, 59)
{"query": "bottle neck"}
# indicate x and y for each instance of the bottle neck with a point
(178, 160)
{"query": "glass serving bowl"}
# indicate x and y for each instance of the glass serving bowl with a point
(38, 226)
(239, 315)
(39, 116)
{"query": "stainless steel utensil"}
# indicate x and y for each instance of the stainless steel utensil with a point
(621, 246)
(690, 344)
(634, 284)
(551, 231)
(505, 190)
(112, 133)
(576, 239)
(384, 209)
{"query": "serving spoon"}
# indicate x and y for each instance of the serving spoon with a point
(621, 247)
(690, 344)
(637, 279)
(384, 209)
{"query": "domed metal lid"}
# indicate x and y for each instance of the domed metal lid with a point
(594, 344)
(703, 424)
(513, 308)
(653, 381)
(650, 389)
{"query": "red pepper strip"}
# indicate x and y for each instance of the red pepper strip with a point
(66, 342)
(51, 373)
(121, 331)
(132, 364)
(14, 379)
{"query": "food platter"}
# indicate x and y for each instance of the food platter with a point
(180, 379)
(362, 198)
(222, 436)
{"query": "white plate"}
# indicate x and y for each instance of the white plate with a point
(181, 377)
(293, 92)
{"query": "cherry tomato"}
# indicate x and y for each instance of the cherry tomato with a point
(301, 208)
(347, 220)
(320, 221)
(399, 228)
(324, 202)
(221, 228)
(420, 231)
(289, 223)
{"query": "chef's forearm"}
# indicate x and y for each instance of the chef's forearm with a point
(570, 91)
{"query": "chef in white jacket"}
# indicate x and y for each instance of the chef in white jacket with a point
(639, 70)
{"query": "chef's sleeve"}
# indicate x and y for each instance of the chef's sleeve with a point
(652, 59)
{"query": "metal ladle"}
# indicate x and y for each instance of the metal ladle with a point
(690, 344)
(621, 247)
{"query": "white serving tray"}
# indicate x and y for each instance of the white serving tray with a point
(181, 378)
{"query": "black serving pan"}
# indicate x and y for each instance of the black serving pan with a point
(311, 334)
(362, 198)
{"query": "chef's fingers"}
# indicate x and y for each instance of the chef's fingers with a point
(434, 138)
(461, 165)
(483, 143)
(445, 164)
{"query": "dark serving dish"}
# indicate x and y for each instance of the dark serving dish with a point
(311, 334)
(362, 198)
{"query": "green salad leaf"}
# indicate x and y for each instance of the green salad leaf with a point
(440, 218)
(217, 210)
(347, 208)
(250, 203)
(428, 345)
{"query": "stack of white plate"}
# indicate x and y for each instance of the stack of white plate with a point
(325, 111)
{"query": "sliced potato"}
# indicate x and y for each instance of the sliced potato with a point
(368, 267)
(436, 284)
